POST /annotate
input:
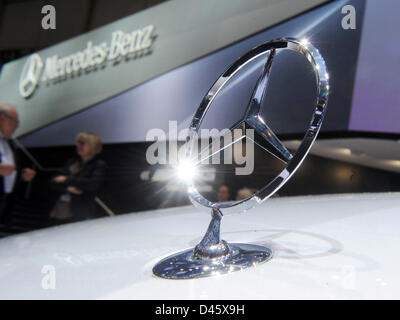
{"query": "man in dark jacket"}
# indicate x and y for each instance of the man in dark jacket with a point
(9, 170)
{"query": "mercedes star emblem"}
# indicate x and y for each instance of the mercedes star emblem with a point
(30, 75)
(213, 256)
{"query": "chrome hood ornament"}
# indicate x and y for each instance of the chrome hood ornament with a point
(213, 256)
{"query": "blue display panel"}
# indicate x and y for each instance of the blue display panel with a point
(376, 103)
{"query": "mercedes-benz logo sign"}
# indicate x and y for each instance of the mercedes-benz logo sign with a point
(213, 256)
(30, 75)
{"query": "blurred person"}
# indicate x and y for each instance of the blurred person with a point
(10, 173)
(79, 181)
(244, 193)
(224, 194)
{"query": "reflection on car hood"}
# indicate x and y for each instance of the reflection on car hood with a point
(325, 247)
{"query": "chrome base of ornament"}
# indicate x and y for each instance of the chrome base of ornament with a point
(212, 256)
(185, 265)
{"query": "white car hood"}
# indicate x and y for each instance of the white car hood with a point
(325, 247)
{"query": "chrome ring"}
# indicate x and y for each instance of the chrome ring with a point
(322, 78)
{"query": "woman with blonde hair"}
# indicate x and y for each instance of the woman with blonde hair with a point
(79, 181)
(244, 193)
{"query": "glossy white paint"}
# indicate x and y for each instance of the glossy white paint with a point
(325, 247)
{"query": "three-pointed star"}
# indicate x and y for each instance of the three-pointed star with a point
(263, 135)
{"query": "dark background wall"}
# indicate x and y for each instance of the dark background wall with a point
(125, 189)
(130, 185)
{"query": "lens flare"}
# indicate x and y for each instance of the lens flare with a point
(186, 171)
